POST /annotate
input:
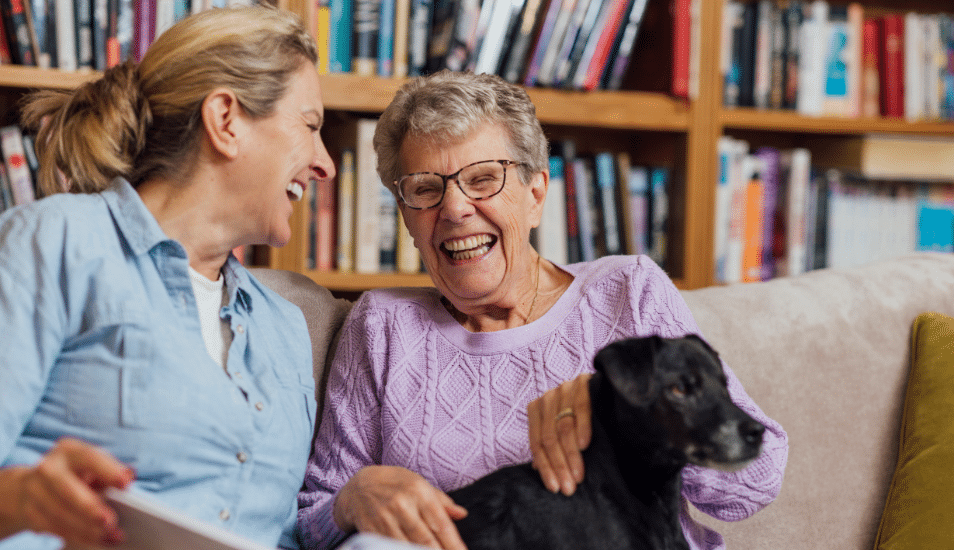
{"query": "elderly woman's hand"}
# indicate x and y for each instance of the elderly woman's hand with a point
(59, 495)
(560, 428)
(398, 503)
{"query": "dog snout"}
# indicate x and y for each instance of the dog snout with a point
(751, 432)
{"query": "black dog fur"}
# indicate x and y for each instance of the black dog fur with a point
(658, 404)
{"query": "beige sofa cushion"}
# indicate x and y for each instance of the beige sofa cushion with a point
(826, 355)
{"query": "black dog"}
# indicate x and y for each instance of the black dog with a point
(658, 404)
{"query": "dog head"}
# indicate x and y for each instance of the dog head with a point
(674, 398)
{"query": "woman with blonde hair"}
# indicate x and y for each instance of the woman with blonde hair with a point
(137, 351)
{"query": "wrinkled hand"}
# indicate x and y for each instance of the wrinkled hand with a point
(60, 494)
(398, 503)
(557, 439)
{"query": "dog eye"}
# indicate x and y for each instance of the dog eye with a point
(678, 390)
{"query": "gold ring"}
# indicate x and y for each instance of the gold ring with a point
(564, 413)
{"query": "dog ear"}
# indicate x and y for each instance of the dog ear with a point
(705, 345)
(628, 365)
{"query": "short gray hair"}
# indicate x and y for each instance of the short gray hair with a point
(448, 106)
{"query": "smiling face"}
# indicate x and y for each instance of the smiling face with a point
(477, 252)
(285, 152)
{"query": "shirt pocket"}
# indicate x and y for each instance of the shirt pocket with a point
(115, 344)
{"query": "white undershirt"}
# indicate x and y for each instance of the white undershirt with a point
(210, 296)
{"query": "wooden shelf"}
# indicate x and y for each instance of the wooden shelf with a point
(788, 121)
(624, 110)
(350, 281)
(17, 76)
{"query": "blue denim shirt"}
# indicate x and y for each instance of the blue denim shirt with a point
(100, 340)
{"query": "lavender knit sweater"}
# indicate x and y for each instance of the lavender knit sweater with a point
(410, 387)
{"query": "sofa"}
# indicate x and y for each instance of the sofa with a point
(826, 354)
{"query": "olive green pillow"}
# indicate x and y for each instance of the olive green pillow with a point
(919, 511)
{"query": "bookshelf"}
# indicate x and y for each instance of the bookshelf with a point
(642, 119)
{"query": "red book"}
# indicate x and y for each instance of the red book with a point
(870, 61)
(681, 44)
(5, 58)
(604, 45)
(892, 65)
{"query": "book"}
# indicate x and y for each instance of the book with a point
(367, 198)
(752, 227)
(125, 29)
(658, 213)
(480, 30)
(408, 256)
(742, 169)
(567, 149)
(464, 37)
(112, 33)
(812, 59)
(385, 50)
(725, 147)
(681, 47)
(634, 204)
(621, 52)
(5, 56)
(99, 23)
(344, 251)
(915, 73)
(402, 15)
(43, 13)
(731, 55)
(418, 35)
(606, 185)
(503, 20)
(777, 45)
(835, 90)
(892, 65)
(144, 28)
(443, 23)
(935, 227)
(566, 64)
(891, 156)
(792, 23)
(870, 61)
(531, 18)
(747, 53)
(18, 171)
(585, 207)
(18, 25)
(762, 73)
(321, 29)
(541, 43)
(367, 25)
(6, 191)
(325, 220)
(798, 162)
(552, 232)
(387, 230)
(543, 74)
(83, 22)
(769, 161)
(339, 37)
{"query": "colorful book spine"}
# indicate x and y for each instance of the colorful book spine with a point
(892, 65)
(344, 258)
(792, 21)
(752, 232)
(339, 38)
(605, 168)
(386, 38)
(593, 65)
(681, 46)
(770, 160)
(542, 43)
(659, 213)
(621, 52)
(552, 232)
(367, 25)
(18, 32)
(321, 27)
(387, 233)
(418, 35)
(516, 61)
(870, 61)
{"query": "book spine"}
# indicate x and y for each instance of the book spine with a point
(367, 255)
(386, 39)
(596, 60)
(387, 233)
(367, 24)
(99, 23)
(659, 213)
(18, 172)
(622, 50)
(732, 52)
(770, 163)
(402, 15)
(502, 21)
(752, 232)
(443, 18)
(464, 39)
(6, 57)
(892, 70)
(792, 22)
(797, 214)
(125, 23)
(544, 74)
(418, 37)
(339, 38)
(83, 13)
(6, 191)
(723, 206)
(344, 259)
(321, 27)
(605, 165)
(552, 232)
(589, 26)
(681, 46)
(638, 191)
(542, 42)
(762, 83)
(835, 76)
(523, 36)
(741, 171)
(777, 59)
(568, 148)
(65, 35)
(408, 256)
(18, 31)
(582, 179)
(870, 106)
(747, 50)
(112, 33)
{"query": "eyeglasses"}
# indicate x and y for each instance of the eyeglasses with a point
(478, 181)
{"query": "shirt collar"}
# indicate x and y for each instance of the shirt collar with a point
(135, 222)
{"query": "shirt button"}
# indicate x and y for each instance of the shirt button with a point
(224, 515)
(240, 329)
(259, 406)
(242, 457)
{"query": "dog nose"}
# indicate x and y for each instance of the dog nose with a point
(751, 431)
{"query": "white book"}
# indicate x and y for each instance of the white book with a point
(914, 77)
(745, 167)
(763, 54)
(166, 15)
(811, 62)
(408, 256)
(551, 234)
(65, 35)
(723, 204)
(934, 62)
(346, 184)
(796, 230)
(367, 251)
(502, 18)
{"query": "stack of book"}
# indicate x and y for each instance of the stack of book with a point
(88, 34)
(829, 59)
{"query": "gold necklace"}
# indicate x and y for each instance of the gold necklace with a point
(536, 292)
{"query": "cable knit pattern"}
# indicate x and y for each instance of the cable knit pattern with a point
(411, 387)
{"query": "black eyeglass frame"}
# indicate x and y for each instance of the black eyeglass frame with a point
(503, 162)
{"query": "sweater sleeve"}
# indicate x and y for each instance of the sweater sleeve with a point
(727, 496)
(349, 436)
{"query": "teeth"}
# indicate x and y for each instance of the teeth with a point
(470, 247)
(296, 190)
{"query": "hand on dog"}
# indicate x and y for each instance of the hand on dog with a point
(398, 503)
(59, 495)
(556, 443)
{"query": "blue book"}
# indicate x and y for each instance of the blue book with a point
(658, 213)
(340, 36)
(935, 227)
(606, 184)
(386, 39)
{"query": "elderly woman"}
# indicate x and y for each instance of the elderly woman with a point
(136, 351)
(430, 387)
